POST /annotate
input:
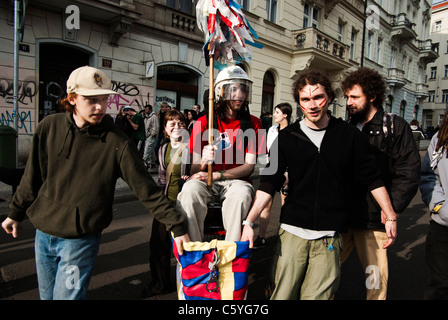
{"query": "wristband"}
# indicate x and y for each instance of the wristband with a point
(221, 177)
(391, 220)
(247, 223)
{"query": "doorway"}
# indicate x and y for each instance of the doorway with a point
(178, 86)
(56, 62)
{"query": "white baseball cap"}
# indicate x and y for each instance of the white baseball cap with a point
(89, 81)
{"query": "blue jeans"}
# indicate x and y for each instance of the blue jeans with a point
(64, 266)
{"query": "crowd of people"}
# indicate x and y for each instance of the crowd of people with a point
(342, 183)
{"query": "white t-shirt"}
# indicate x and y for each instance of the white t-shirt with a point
(316, 137)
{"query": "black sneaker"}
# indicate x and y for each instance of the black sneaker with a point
(259, 243)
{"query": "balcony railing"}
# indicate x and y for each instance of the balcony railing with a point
(183, 22)
(395, 77)
(403, 28)
(312, 38)
(426, 51)
(421, 90)
(167, 19)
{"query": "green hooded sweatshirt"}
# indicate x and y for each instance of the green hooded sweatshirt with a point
(68, 186)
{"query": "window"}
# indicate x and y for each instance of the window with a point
(433, 73)
(416, 110)
(445, 75)
(403, 109)
(435, 47)
(267, 98)
(369, 45)
(404, 62)
(244, 4)
(398, 6)
(431, 96)
(310, 16)
(379, 51)
(438, 26)
(409, 69)
(393, 53)
(428, 120)
(182, 5)
(271, 8)
(445, 96)
(340, 31)
(353, 44)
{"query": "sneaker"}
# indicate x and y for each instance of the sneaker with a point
(259, 243)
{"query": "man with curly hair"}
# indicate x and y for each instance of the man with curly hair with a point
(323, 156)
(397, 155)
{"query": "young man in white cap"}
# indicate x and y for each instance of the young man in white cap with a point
(68, 213)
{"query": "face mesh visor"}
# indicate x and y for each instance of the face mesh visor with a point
(235, 89)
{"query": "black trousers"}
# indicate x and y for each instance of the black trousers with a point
(160, 257)
(437, 260)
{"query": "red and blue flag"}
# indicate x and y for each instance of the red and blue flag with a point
(215, 270)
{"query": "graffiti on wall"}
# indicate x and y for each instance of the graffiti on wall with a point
(26, 97)
(128, 94)
(23, 123)
(26, 92)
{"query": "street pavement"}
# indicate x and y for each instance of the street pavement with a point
(122, 268)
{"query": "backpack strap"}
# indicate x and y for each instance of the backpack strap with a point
(173, 161)
(388, 131)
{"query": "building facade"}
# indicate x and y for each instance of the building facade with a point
(398, 45)
(152, 51)
(302, 35)
(437, 72)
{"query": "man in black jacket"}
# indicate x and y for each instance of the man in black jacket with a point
(397, 155)
(323, 155)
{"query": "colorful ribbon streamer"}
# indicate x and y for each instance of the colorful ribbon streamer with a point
(226, 29)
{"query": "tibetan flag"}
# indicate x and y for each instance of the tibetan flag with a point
(215, 270)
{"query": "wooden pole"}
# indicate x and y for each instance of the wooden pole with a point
(210, 119)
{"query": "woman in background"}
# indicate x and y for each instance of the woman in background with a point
(433, 183)
(173, 171)
(282, 119)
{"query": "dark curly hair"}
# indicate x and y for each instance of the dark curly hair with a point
(371, 82)
(312, 78)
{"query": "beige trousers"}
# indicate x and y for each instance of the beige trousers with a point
(373, 258)
(236, 197)
(306, 269)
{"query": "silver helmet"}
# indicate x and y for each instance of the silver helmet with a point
(233, 83)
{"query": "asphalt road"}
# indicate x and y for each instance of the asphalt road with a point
(122, 268)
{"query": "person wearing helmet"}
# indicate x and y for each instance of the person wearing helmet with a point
(237, 141)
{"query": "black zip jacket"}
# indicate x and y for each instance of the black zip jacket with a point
(399, 161)
(320, 181)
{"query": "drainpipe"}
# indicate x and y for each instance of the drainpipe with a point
(363, 36)
(16, 71)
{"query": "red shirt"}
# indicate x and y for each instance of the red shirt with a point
(229, 140)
